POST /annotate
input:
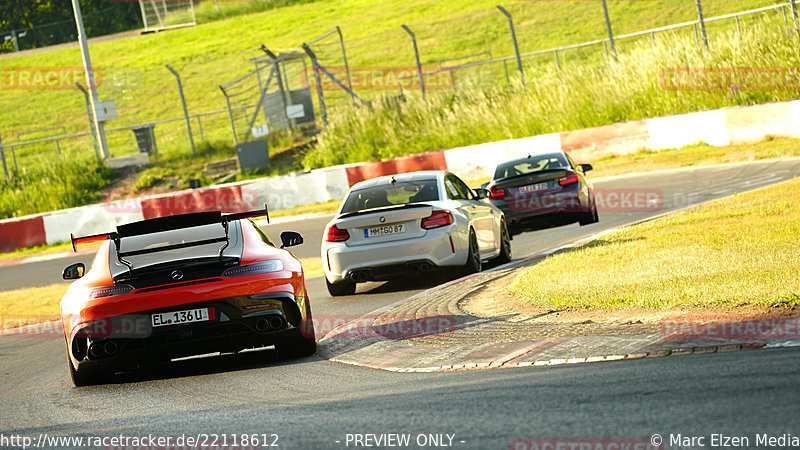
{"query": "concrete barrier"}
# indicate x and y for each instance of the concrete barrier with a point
(226, 199)
(405, 164)
(619, 139)
(687, 129)
(516, 148)
(748, 124)
(719, 127)
(23, 232)
(794, 111)
(87, 220)
(476, 161)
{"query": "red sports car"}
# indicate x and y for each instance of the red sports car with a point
(180, 286)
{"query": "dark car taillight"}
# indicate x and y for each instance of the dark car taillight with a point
(497, 193)
(253, 269)
(437, 219)
(109, 291)
(336, 234)
(569, 179)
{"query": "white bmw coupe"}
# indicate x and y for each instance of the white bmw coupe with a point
(409, 223)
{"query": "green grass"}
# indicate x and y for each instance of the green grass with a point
(213, 53)
(56, 185)
(740, 250)
(588, 95)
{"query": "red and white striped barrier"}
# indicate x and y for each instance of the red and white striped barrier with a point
(743, 124)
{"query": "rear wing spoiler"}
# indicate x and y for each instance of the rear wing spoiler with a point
(168, 224)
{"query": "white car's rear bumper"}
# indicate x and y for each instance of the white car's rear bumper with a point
(382, 260)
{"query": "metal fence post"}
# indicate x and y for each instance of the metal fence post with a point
(315, 66)
(514, 40)
(3, 157)
(794, 15)
(183, 103)
(344, 57)
(14, 40)
(91, 120)
(200, 127)
(701, 21)
(230, 116)
(416, 55)
(558, 61)
(610, 33)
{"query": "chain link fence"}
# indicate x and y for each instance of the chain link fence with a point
(226, 97)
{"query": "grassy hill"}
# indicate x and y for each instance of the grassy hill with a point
(213, 53)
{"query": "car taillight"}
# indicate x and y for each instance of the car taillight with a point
(109, 291)
(437, 219)
(569, 179)
(274, 265)
(497, 193)
(336, 234)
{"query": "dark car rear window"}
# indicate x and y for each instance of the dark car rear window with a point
(399, 193)
(533, 164)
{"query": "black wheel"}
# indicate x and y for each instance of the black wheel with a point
(505, 245)
(80, 379)
(345, 287)
(474, 264)
(590, 217)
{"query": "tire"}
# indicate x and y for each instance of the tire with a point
(297, 347)
(505, 246)
(345, 287)
(474, 264)
(590, 217)
(81, 379)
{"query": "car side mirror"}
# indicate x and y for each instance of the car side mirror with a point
(74, 271)
(482, 193)
(586, 167)
(290, 239)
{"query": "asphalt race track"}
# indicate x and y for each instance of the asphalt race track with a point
(313, 403)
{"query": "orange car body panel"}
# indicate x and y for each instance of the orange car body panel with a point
(77, 308)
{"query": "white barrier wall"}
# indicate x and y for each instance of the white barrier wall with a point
(719, 128)
(287, 191)
(88, 220)
(478, 161)
(687, 129)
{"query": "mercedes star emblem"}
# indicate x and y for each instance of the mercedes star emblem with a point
(176, 275)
